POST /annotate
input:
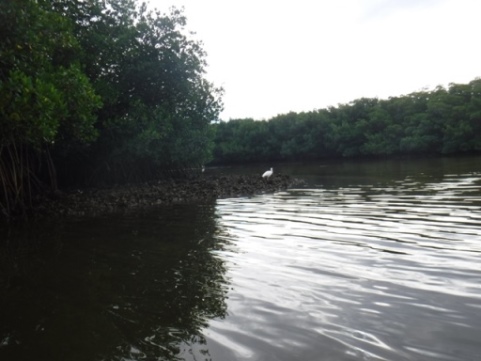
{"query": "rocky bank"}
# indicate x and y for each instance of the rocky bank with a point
(203, 189)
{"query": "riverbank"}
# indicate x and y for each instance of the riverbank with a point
(203, 189)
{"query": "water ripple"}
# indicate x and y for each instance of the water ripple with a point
(370, 272)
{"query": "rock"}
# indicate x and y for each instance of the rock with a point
(196, 191)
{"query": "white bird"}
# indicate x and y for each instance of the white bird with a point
(267, 174)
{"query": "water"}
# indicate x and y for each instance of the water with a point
(368, 261)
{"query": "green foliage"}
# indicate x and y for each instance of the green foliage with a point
(157, 106)
(105, 89)
(44, 98)
(41, 90)
(442, 121)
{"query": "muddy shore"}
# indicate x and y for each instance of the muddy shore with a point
(201, 190)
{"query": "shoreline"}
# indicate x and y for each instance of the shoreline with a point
(199, 190)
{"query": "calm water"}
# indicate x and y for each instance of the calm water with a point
(367, 261)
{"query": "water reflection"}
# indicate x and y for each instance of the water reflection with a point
(125, 287)
(371, 270)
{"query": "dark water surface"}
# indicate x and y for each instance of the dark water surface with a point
(375, 260)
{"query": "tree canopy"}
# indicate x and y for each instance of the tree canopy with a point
(101, 90)
(441, 121)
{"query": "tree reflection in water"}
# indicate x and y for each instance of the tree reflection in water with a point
(132, 286)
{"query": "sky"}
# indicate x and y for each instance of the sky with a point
(273, 57)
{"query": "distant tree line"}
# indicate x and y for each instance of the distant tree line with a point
(441, 121)
(99, 92)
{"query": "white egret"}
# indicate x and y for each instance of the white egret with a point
(267, 174)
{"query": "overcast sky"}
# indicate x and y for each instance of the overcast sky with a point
(272, 57)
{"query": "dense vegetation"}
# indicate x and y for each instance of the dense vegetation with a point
(441, 121)
(104, 91)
